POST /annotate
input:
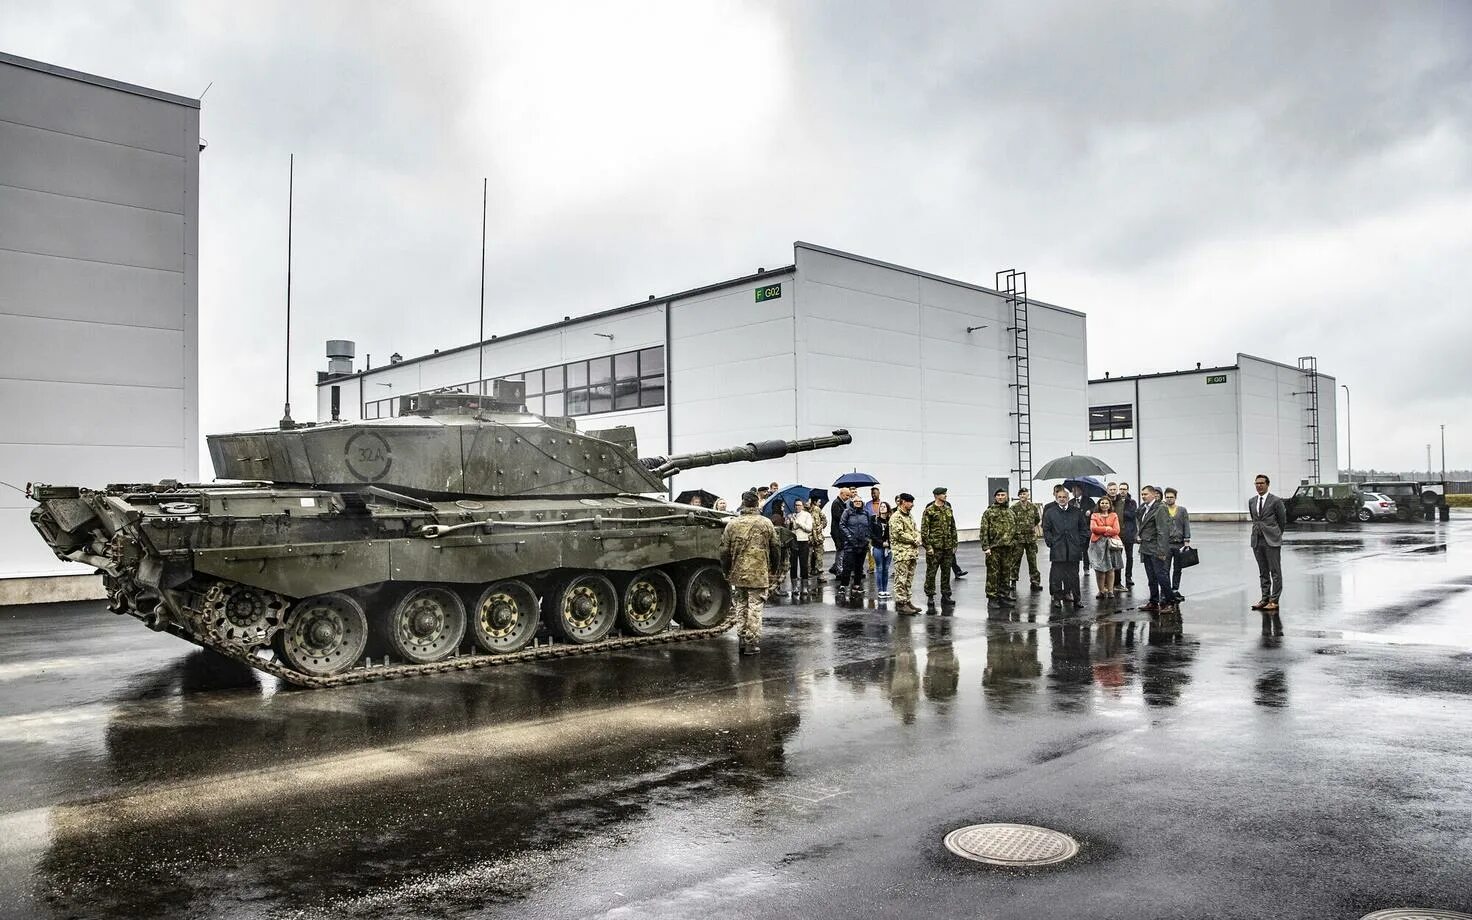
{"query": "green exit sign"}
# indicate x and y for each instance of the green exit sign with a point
(1216, 378)
(770, 292)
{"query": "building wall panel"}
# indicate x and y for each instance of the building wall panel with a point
(82, 352)
(97, 292)
(80, 167)
(76, 228)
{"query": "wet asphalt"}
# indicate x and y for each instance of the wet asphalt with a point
(1207, 770)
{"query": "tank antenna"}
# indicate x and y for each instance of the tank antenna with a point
(480, 340)
(286, 422)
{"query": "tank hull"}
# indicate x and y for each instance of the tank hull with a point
(162, 549)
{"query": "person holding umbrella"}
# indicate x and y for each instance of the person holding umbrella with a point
(1066, 531)
(855, 524)
(938, 536)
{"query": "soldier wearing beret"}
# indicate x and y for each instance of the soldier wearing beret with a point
(904, 543)
(938, 536)
(749, 554)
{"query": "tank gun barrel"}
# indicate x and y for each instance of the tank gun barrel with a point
(751, 451)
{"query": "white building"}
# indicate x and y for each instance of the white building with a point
(831, 341)
(1208, 432)
(98, 297)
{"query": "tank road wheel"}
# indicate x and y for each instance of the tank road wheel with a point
(427, 624)
(583, 608)
(324, 635)
(505, 618)
(704, 597)
(648, 603)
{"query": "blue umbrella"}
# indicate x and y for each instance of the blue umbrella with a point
(1093, 487)
(790, 496)
(856, 479)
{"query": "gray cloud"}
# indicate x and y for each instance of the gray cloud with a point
(1199, 177)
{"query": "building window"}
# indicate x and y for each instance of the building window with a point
(1111, 423)
(628, 380)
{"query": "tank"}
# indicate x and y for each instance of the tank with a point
(464, 533)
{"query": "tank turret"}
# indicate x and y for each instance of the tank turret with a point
(457, 444)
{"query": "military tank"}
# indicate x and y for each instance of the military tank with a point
(464, 533)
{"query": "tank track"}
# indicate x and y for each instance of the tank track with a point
(369, 673)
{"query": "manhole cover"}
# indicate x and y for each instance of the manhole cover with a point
(1416, 913)
(1011, 844)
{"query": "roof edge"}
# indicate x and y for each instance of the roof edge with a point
(572, 321)
(1185, 373)
(1032, 301)
(95, 80)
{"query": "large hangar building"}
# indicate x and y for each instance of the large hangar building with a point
(922, 370)
(1209, 431)
(99, 204)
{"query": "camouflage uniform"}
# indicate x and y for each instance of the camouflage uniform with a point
(815, 544)
(786, 545)
(904, 544)
(748, 551)
(999, 537)
(938, 534)
(1028, 517)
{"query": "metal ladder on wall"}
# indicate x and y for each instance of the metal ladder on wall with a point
(1012, 284)
(1309, 367)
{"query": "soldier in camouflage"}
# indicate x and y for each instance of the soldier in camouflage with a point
(999, 543)
(748, 555)
(820, 531)
(1029, 519)
(904, 544)
(938, 536)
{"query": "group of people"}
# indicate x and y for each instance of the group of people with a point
(1081, 534)
(1084, 534)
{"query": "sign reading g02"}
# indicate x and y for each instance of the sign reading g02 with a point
(770, 292)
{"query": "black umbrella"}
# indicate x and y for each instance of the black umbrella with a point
(856, 479)
(1073, 466)
(708, 498)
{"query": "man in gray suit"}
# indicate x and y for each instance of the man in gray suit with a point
(1269, 517)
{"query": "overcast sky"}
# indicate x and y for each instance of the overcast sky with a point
(1200, 178)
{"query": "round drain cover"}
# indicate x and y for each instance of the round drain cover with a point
(1011, 844)
(1416, 913)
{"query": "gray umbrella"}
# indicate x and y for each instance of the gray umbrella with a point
(1072, 467)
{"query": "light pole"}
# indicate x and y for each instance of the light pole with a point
(1348, 431)
(1428, 461)
(1443, 453)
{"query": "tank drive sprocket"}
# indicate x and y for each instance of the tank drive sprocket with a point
(241, 616)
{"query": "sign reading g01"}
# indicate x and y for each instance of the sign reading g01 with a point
(770, 292)
(1216, 378)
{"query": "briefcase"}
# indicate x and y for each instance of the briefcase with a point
(1190, 557)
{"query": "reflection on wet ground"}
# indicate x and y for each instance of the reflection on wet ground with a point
(140, 778)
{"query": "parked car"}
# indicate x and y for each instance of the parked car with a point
(1413, 500)
(1327, 501)
(1376, 507)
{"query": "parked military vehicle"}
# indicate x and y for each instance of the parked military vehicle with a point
(1413, 500)
(466, 532)
(1327, 501)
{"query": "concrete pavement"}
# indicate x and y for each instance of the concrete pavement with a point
(1206, 770)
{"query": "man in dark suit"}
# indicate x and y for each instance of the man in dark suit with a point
(1154, 538)
(1066, 531)
(1269, 516)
